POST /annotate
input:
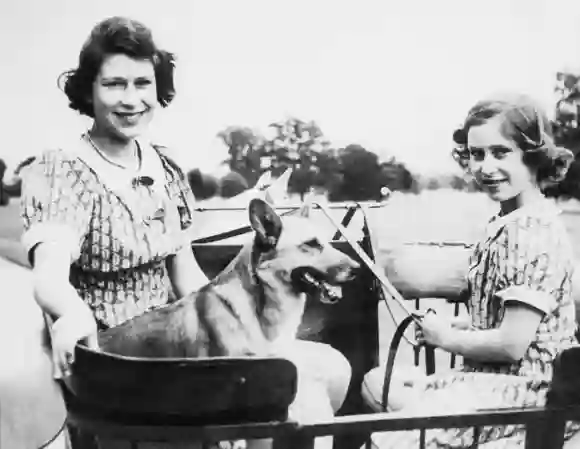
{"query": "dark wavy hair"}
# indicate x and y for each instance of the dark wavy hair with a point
(524, 123)
(116, 35)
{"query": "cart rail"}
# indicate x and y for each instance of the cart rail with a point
(544, 427)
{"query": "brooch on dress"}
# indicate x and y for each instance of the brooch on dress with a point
(148, 181)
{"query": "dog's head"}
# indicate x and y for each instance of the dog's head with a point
(295, 253)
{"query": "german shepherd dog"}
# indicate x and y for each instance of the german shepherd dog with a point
(250, 308)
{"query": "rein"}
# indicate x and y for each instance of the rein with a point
(412, 317)
(390, 289)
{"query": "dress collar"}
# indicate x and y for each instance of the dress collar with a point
(116, 178)
(540, 208)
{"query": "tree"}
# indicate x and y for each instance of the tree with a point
(298, 144)
(395, 176)
(362, 178)
(328, 176)
(351, 173)
(202, 185)
(244, 147)
(232, 184)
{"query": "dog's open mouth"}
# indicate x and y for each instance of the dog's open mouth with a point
(314, 282)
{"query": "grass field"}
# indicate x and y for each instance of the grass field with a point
(432, 216)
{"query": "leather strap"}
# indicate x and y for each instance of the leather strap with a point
(223, 235)
(229, 234)
(393, 348)
(245, 229)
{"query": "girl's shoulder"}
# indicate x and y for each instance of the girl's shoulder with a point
(56, 165)
(54, 156)
(538, 230)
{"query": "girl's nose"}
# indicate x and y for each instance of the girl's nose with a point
(131, 96)
(488, 166)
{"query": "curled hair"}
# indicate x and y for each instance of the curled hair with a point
(116, 35)
(524, 123)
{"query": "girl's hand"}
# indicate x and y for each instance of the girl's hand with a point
(461, 322)
(433, 330)
(65, 333)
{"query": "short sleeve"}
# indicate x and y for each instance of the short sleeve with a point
(535, 265)
(55, 205)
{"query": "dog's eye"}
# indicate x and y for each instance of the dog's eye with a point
(314, 243)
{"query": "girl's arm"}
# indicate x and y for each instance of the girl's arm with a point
(56, 213)
(57, 297)
(53, 291)
(508, 343)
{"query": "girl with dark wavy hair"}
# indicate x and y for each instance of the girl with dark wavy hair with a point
(106, 214)
(521, 309)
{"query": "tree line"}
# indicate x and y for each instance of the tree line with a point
(349, 173)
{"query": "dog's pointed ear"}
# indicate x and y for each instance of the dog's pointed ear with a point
(266, 223)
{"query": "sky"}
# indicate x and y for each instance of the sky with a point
(394, 76)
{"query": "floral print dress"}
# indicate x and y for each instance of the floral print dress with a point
(524, 257)
(119, 228)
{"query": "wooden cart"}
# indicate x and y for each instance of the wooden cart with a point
(247, 398)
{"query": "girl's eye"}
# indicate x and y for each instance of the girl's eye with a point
(476, 154)
(139, 83)
(143, 83)
(114, 84)
(500, 152)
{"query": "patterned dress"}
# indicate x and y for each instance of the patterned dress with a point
(524, 257)
(119, 228)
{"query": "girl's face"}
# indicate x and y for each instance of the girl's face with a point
(124, 96)
(497, 164)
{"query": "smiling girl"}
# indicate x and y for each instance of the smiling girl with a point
(520, 277)
(106, 214)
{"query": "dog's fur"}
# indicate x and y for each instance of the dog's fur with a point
(250, 308)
